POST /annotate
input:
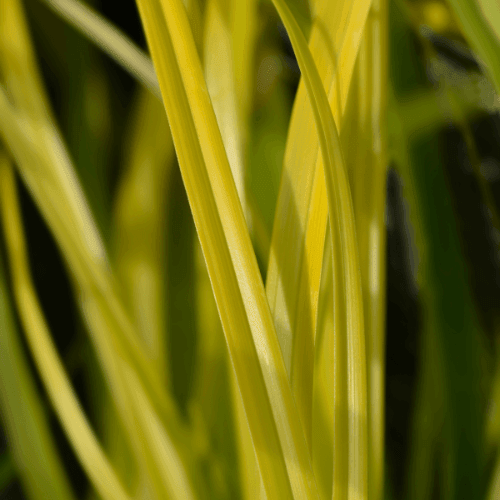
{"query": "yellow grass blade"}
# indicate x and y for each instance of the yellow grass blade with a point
(229, 42)
(342, 217)
(221, 84)
(296, 255)
(49, 365)
(216, 426)
(104, 314)
(25, 422)
(109, 39)
(140, 211)
(251, 482)
(480, 36)
(45, 167)
(494, 488)
(243, 26)
(330, 384)
(302, 367)
(249, 330)
(17, 60)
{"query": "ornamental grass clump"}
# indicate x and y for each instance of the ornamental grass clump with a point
(244, 356)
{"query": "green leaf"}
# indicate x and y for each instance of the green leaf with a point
(44, 352)
(480, 36)
(32, 447)
(140, 214)
(7, 471)
(108, 38)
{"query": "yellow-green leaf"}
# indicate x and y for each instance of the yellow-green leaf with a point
(274, 423)
(342, 217)
(44, 352)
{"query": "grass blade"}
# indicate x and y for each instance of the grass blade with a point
(221, 84)
(139, 215)
(109, 39)
(342, 217)
(369, 192)
(45, 166)
(480, 36)
(46, 358)
(7, 471)
(215, 424)
(455, 343)
(230, 259)
(75, 233)
(32, 448)
(299, 230)
(243, 28)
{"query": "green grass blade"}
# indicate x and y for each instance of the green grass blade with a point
(109, 39)
(342, 217)
(7, 470)
(230, 259)
(491, 13)
(33, 450)
(58, 386)
(453, 344)
(46, 168)
(480, 36)
(17, 60)
(494, 490)
(213, 380)
(425, 432)
(243, 24)
(43, 164)
(369, 192)
(139, 225)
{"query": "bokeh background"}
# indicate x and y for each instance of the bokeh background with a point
(450, 142)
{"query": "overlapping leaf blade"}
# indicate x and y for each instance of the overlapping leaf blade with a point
(299, 230)
(230, 260)
(346, 261)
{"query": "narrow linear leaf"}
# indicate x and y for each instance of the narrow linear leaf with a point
(61, 394)
(230, 259)
(221, 84)
(216, 425)
(342, 217)
(38, 155)
(24, 421)
(456, 364)
(139, 215)
(480, 36)
(46, 168)
(491, 13)
(293, 279)
(44, 163)
(109, 39)
(369, 191)
(494, 489)
(7, 470)
(228, 62)
(243, 25)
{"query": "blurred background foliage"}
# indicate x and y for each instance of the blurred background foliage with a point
(443, 237)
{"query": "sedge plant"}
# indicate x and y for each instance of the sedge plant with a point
(258, 370)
